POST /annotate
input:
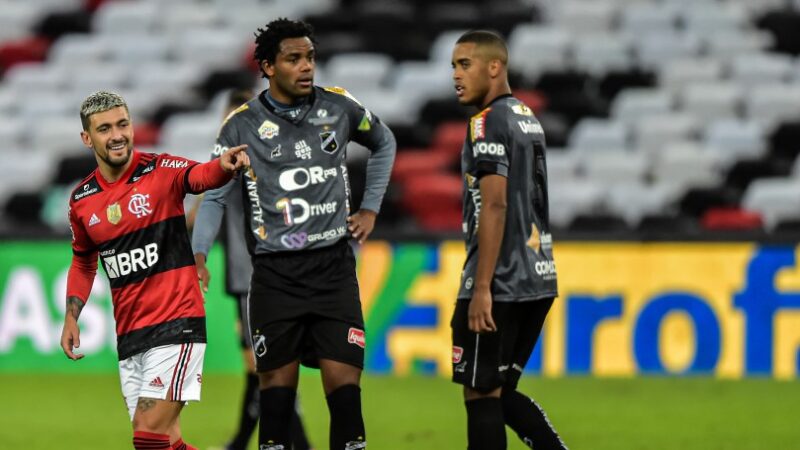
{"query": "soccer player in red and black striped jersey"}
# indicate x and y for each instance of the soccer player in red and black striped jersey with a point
(129, 213)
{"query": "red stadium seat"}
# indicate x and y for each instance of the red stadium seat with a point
(534, 99)
(449, 137)
(409, 163)
(32, 49)
(146, 134)
(434, 200)
(731, 219)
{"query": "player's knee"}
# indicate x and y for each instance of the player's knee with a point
(478, 392)
(285, 376)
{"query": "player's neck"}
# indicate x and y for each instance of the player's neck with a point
(110, 173)
(495, 91)
(281, 101)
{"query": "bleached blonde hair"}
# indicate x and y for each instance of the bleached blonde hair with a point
(98, 102)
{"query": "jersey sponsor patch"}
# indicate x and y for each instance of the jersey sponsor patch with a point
(114, 213)
(366, 121)
(529, 127)
(356, 336)
(477, 125)
(174, 163)
(125, 263)
(268, 130)
(94, 220)
(90, 188)
(488, 148)
(458, 353)
(521, 109)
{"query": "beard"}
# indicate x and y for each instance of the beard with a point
(116, 162)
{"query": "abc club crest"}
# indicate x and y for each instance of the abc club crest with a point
(328, 141)
(114, 213)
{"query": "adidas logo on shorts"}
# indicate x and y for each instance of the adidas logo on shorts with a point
(156, 383)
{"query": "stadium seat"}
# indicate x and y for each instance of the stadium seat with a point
(25, 50)
(769, 105)
(137, 49)
(761, 69)
(634, 201)
(358, 71)
(573, 197)
(729, 44)
(58, 136)
(441, 51)
(710, 101)
(177, 17)
(775, 198)
(643, 18)
(650, 133)
(412, 162)
(12, 133)
(731, 219)
(683, 72)
(190, 135)
(687, 164)
(17, 19)
(709, 17)
(602, 53)
(92, 77)
(593, 135)
(78, 49)
(536, 49)
(655, 50)
(435, 200)
(580, 17)
(449, 138)
(614, 167)
(633, 104)
(734, 139)
(120, 18)
(212, 48)
(31, 77)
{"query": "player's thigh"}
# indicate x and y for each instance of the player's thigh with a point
(131, 378)
(478, 358)
(528, 319)
(156, 416)
(336, 374)
(342, 339)
(173, 372)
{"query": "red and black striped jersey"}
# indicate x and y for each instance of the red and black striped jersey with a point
(136, 227)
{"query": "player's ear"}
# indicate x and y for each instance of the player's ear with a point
(87, 140)
(267, 68)
(495, 68)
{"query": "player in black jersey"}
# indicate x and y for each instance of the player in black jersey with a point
(509, 278)
(304, 302)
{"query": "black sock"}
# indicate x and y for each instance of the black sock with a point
(485, 427)
(529, 421)
(277, 404)
(299, 439)
(249, 415)
(347, 423)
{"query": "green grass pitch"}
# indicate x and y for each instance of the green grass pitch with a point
(86, 412)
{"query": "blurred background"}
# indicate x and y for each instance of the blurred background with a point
(673, 129)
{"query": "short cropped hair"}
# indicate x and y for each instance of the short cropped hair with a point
(268, 39)
(98, 102)
(489, 39)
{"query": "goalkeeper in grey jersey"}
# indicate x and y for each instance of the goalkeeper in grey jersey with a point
(304, 299)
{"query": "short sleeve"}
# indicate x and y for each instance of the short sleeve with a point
(489, 142)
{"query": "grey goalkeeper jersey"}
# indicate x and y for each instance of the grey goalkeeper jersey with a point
(296, 195)
(506, 139)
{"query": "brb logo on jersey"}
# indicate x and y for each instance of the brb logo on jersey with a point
(122, 264)
(140, 205)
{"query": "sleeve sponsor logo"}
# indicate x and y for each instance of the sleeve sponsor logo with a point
(529, 127)
(488, 148)
(477, 125)
(366, 121)
(522, 110)
(268, 130)
(257, 214)
(125, 263)
(356, 336)
(300, 177)
(174, 163)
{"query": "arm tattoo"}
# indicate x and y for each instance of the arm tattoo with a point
(74, 306)
(145, 403)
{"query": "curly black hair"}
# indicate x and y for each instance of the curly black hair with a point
(268, 39)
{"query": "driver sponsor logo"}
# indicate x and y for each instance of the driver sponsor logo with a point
(297, 210)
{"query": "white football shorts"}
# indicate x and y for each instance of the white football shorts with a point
(169, 372)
